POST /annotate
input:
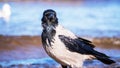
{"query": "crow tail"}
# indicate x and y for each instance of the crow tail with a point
(103, 58)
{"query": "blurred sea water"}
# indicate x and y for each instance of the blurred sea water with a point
(89, 19)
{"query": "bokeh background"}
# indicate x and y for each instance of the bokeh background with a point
(20, 30)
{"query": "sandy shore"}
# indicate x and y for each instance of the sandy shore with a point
(20, 47)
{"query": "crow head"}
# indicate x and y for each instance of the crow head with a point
(49, 23)
(49, 19)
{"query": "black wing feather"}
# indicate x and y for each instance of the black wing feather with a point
(86, 42)
(77, 45)
(83, 46)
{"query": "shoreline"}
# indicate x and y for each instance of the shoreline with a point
(104, 42)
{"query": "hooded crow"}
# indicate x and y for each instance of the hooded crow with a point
(64, 46)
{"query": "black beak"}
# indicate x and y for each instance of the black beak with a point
(51, 17)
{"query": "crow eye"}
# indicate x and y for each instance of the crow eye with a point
(46, 14)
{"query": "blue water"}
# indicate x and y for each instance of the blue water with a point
(41, 63)
(91, 20)
(30, 61)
